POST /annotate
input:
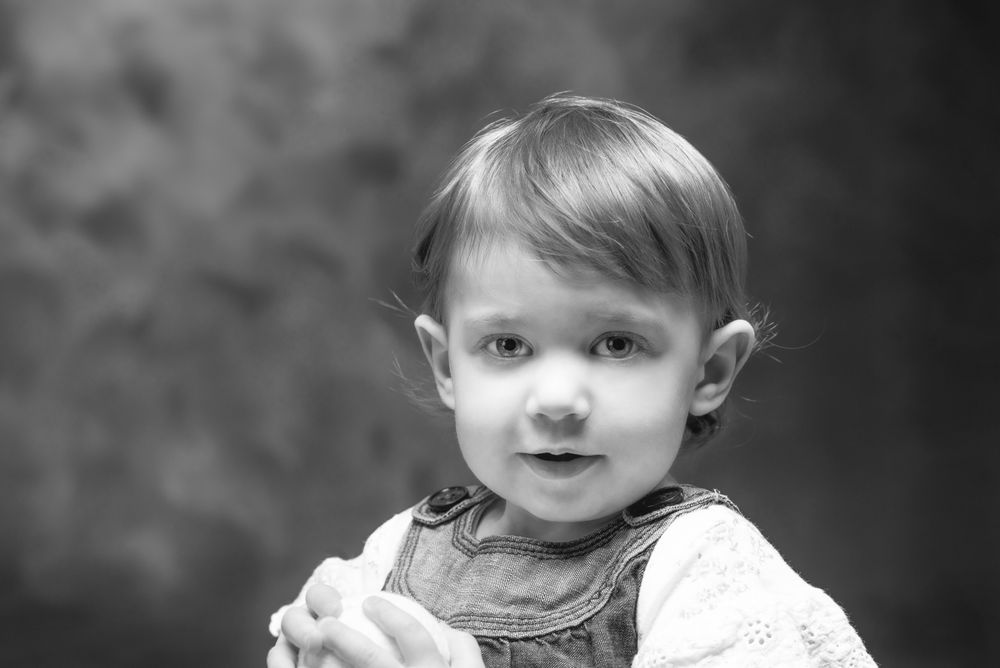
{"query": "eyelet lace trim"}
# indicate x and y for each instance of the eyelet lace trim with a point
(740, 605)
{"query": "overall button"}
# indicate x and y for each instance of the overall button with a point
(656, 500)
(446, 498)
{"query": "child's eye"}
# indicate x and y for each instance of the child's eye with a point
(617, 346)
(509, 346)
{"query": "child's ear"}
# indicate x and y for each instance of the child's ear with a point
(434, 341)
(723, 355)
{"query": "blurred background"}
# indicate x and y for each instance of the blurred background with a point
(202, 201)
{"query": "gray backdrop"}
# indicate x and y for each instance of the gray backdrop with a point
(201, 200)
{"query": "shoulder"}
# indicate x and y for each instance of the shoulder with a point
(710, 549)
(715, 589)
(443, 505)
(367, 571)
(709, 536)
(384, 543)
(382, 546)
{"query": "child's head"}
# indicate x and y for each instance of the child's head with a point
(599, 194)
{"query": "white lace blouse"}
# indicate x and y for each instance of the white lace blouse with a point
(714, 594)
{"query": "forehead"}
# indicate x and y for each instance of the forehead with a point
(509, 282)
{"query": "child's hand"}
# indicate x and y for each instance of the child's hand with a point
(312, 636)
(299, 630)
(417, 647)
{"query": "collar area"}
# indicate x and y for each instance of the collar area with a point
(448, 503)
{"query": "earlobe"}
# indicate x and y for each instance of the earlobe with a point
(434, 341)
(724, 354)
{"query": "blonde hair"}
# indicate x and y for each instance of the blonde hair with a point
(596, 183)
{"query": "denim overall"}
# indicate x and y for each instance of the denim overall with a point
(531, 602)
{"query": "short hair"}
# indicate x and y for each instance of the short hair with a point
(596, 183)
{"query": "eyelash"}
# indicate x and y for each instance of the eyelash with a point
(635, 345)
(492, 345)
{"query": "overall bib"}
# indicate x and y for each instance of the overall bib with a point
(530, 602)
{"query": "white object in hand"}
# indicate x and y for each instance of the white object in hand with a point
(354, 617)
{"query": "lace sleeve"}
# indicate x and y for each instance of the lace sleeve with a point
(716, 594)
(361, 575)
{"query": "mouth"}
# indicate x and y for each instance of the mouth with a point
(552, 457)
(562, 465)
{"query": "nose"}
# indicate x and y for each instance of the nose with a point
(559, 392)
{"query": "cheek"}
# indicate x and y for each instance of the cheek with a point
(653, 400)
(484, 400)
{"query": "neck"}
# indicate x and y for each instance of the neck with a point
(504, 519)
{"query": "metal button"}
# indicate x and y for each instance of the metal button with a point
(656, 500)
(446, 498)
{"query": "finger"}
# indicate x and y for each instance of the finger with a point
(299, 628)
(282, 655)
(414, 641)
(324, 601)
(353, 647)
(465, 652)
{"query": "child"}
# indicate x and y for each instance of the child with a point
(585, 320)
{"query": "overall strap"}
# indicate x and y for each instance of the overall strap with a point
(448, 504)
(673, 500)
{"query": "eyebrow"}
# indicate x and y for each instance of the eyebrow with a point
(614, 315)
(491, 321)
(620, 315)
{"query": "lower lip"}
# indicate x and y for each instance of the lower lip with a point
(558, 470)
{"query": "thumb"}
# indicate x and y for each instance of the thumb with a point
(323, 601)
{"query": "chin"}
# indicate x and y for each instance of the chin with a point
(568, 512)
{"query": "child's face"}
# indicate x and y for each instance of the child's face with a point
(570, 392)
